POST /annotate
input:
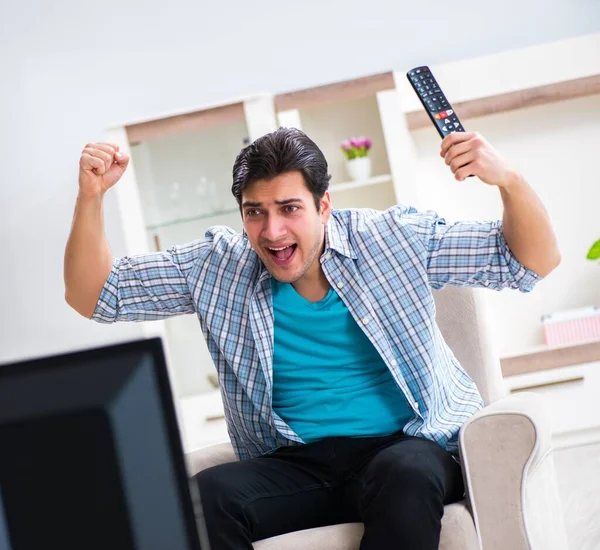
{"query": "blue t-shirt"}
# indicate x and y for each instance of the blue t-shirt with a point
(328, 378)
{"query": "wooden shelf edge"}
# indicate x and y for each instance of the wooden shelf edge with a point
(551, 358)
(189, 122)
(511, 101)
(359, 88)
(347, 90)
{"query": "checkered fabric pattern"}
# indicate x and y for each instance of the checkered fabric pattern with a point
(383, 265)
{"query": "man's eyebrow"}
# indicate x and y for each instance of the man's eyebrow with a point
(249, 203)
(259, 204)
(288, 201)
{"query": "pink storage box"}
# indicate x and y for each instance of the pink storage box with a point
(572, 327)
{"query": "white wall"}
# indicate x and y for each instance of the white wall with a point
(69, 69)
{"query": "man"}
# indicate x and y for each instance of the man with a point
(342, 400)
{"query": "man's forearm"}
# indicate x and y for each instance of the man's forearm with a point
(527, 228)
(88, 259)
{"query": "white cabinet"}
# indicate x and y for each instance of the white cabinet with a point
(202, 421)
(572, 397)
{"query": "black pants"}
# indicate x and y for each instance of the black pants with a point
(396, 485)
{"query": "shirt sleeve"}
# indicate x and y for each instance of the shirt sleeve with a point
(150, 287)
(468, 253)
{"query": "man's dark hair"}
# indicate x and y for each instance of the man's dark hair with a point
(285, 150)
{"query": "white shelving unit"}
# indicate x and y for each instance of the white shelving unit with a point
(375, 113)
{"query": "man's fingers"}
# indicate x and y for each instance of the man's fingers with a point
(108, 148)
(462, 160)
(456, 150)
(466, 171)
(122, 159)
(99, 153)
(93, 163)
(453, 139)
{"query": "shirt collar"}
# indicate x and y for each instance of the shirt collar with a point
(336, 237)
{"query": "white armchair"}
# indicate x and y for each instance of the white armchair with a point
(512, 500)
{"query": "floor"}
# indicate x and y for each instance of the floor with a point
(578, 471)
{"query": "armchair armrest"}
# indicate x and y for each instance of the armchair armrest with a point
(509, 475)
(200, 459)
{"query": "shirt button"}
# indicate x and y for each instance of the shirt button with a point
(393, 362)
(365, 321)
(340, 285)
(416, 405)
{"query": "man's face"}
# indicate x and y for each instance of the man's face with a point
(283, 225)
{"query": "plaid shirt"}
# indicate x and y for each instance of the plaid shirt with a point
(383, 265)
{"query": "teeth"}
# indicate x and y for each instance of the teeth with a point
(278, 249)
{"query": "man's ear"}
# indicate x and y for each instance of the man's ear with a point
(325, 207)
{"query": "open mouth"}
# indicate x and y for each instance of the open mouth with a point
(282, 255)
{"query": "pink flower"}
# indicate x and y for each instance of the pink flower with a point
(357, 141)
(360, 141)
(356, 147)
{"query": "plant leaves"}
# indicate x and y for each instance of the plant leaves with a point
(594, 252)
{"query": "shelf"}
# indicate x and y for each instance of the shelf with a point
(192, 218)
(550, 358)
(348, 90)
(375, 180)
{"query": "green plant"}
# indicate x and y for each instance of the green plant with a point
(594, 252)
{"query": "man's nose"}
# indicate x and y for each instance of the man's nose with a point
(274, 229)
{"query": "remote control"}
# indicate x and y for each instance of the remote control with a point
(437, 106)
